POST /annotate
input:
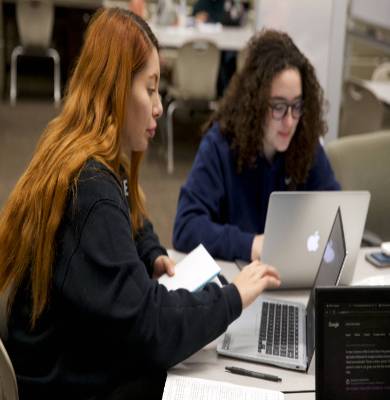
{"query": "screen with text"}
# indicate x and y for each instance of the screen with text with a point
(356, 343)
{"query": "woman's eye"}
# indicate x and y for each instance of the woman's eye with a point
(279, 107)
(297, 106)
(151, 90)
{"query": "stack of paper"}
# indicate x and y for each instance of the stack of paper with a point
(187, 388)
(193, 272)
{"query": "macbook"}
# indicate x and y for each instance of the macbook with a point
(298, 225)
(281, 332)
(352, 343)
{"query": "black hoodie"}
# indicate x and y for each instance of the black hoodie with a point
(108, 324)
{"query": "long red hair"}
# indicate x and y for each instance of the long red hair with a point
(116, 47)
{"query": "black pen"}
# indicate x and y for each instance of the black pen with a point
(253, 374)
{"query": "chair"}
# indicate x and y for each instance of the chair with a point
(1, 50)
(194, 84)
(361, 110)
(8, 383)
(166, 13)
(35, 20)
(3, 314)
(241, 58)
(362, 162)
(382, 72)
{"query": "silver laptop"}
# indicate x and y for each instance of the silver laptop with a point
(281, 332)
(298, 225)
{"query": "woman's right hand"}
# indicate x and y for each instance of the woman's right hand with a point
(257, 247)
(254, 279)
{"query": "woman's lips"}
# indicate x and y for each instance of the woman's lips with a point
(284, 135)
(151, 132)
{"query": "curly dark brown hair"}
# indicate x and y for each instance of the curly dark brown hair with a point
(243, 109)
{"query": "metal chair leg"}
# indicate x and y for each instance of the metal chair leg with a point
(213, 105)
(171, 109)
(16, 52)
(53, 53)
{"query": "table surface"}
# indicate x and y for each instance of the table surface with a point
(207, 364)
(226, 38)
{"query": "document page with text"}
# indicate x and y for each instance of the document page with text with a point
(187, 388)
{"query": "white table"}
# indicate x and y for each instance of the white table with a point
(300, 396)
(381, 89)
(364, 270)
(226, 38)
(207, 364)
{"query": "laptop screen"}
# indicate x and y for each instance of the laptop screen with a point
(353, 343)
(327, 275)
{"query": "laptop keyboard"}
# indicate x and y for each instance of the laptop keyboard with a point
(279, 330)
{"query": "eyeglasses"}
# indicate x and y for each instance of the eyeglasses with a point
(280, 110)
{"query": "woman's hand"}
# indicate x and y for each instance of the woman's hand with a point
(254, 279)
(162, 265)
(257, 247)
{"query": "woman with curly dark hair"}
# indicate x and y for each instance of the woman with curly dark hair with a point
(264, 137)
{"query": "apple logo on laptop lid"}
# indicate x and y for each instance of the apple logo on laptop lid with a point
(312, 242)
(329, 254)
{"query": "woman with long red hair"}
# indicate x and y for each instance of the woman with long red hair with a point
(78, 256)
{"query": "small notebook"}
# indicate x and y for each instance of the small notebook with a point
(193, 272)
(187, 388)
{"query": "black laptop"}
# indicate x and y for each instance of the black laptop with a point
(352, 343)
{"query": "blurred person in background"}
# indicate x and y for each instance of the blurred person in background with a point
(228, 13)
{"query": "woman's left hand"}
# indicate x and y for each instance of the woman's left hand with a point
(162, 265)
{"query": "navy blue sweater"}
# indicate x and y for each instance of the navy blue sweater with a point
(108, 323)
(214, 9)
(224, 210)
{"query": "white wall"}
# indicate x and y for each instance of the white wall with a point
(376, 12)
(318, 27)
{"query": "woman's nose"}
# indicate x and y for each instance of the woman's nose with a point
(288, 119)
(158, 108)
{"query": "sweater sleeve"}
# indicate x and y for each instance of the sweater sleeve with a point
(321, 175)
(201, 215)
(148, 245)
(108, 287)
